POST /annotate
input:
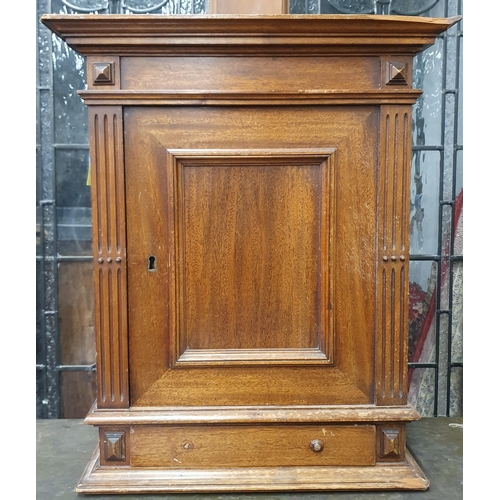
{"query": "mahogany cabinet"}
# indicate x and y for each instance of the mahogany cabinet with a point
(250, 199)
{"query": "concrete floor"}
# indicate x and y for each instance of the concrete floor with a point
(65, 446)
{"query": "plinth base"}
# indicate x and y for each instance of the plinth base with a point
(405, 475)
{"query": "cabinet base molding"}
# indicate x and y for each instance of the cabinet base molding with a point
(405, 475)
(251, 414)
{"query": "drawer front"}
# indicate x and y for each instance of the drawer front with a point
(257, 446)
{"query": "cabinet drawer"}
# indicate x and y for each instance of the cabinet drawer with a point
(257, 446)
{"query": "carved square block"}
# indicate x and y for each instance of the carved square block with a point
(114, 446)
(396, 73)
(103, 73)
(391, 443)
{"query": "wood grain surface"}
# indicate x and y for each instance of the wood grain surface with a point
(347, 246)
(251, 446)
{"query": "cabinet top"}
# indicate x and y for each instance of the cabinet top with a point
(272, 35)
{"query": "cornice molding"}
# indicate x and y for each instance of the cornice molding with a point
(123, 34)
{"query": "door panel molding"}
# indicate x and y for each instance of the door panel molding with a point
(252, 273)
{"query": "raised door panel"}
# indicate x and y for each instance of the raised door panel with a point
(251, 255)
(251, 262)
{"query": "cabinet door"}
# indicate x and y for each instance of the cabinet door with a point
(251, 254)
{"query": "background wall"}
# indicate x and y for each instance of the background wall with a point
(65, 353)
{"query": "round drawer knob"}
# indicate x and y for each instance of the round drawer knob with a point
(316, 445)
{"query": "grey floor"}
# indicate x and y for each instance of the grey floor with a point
(65, 446)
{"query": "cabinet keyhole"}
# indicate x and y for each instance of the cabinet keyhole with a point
(151, 263)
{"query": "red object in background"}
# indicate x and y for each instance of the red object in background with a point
(417, 302)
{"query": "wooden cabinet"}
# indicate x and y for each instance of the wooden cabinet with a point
(250, 179)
